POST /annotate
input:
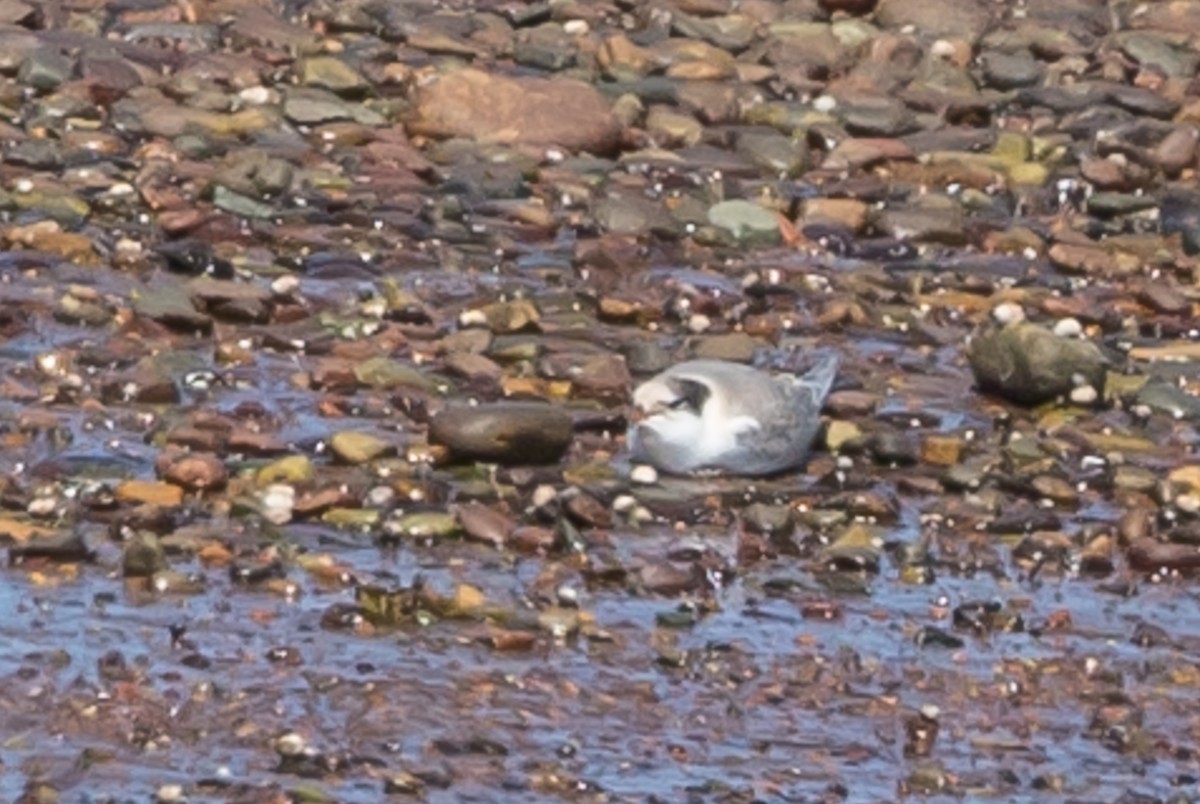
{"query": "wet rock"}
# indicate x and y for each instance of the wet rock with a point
(921, 732)
(66, 548)
(1170, 399)
(623, 212)
(293, 470)
(748, 222)
(355, 448)
(278, 503)
(1165, 298)
(426, 525)
(517, 111)
(673, 128)
(622, 60)
(774, 153)
(930, 223)
(1177, 151)
(150, 492)
(737, 347)
(893, 448)
(602, 376)
(1010, 70)
(143, 556)
(195, 472)
(943, 18)
(1027, 363)
(1151, 555)
(327, 72)
(504, 318)
(942, 450)
(670, 580)
(506, 433)
(171, 305)
(841, 435)
(485, 524)
(857, 549)
(46, 69)
(238, 204)
(385, 374)
(769, 519)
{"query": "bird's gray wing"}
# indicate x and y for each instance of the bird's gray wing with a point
(789, 420)
(813, 386)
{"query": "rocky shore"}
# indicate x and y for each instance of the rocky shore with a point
(318, 326)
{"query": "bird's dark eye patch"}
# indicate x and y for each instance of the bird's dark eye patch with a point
(692, 395)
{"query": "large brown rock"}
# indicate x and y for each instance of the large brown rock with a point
(538, 112)
(961, 19)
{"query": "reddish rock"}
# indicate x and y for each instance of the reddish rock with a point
(537, 112)
(199, 471)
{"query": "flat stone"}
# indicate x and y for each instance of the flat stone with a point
(961, 19)
(150, 492)
(748, 222)
(1170, 399)
(328, 72)
(385, 373)
(541, 112)
(737, 347)
(171, 305)
(1010, 70)
(357, 447)
(46, 69)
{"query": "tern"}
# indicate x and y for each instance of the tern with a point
(728, 418)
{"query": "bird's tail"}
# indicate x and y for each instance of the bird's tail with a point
(819, 379)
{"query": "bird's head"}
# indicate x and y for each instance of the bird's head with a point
(670, 399)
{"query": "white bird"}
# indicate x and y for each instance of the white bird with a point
(726, 417)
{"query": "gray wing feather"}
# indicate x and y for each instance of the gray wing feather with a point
(784, 440)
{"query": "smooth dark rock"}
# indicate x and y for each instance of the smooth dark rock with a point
(505, 432)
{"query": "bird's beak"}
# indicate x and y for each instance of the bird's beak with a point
(636, 415)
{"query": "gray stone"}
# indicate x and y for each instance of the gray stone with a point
(36, 154)
(238, 204)
(46, 69)
(311, 106)
(546, 47)
(1028, 363)
(1003, 70)
(748, 222)
(774, 152)
(1170, 399)
(769, 519)
(171, 305)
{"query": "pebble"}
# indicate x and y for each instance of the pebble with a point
(644, 474)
